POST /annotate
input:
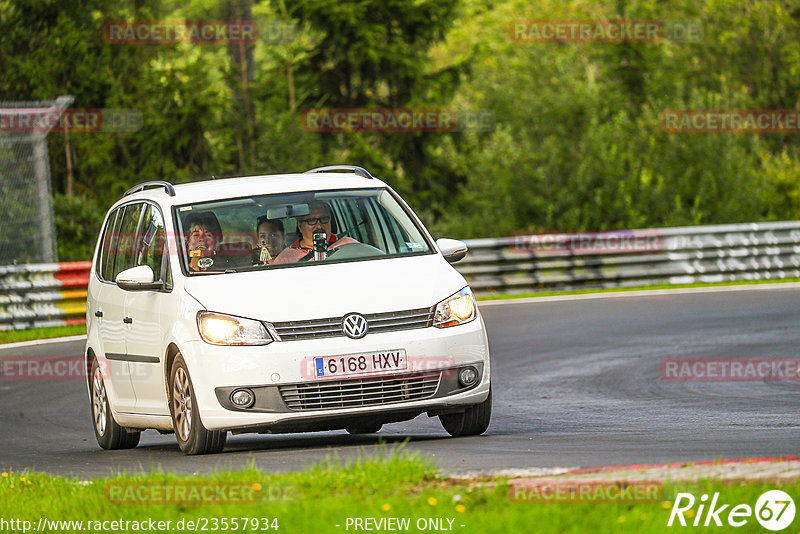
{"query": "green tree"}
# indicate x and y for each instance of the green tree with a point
(375, 53)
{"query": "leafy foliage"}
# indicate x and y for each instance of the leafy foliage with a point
(77, 220)
(576, 145)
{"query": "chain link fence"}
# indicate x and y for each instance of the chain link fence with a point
(27, 227)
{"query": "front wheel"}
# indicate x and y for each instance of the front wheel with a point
(193, 437)
(109, 434)
(471, 422)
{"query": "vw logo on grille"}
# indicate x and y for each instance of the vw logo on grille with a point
(355, 325)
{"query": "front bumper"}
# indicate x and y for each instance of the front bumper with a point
(270, 399)
(269, 370)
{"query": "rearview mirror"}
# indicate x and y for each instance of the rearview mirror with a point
(453, 250)
(292, 210)
(138, 278)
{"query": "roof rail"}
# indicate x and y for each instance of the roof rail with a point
(155, 183)
(361, 171)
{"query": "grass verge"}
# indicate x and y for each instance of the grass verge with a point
(12, 336)
(505, 296)
(329, 496)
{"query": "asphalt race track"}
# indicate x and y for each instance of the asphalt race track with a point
(576, 383)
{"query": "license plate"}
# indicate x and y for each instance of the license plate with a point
(359, 364)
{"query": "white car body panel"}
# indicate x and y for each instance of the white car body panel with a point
(169, 319)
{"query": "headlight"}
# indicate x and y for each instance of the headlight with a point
(456, 309)
(221, 329)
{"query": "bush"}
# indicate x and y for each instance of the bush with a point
(78, 220)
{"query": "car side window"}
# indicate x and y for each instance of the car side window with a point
(124, 258)
(150, 241)
(114, 241)
(107, 245)
(168, 271)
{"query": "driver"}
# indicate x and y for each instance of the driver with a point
(318, 220)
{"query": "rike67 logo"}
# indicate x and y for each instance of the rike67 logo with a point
(774, 510)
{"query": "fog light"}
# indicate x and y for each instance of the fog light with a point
(468, 376)
(243, 398)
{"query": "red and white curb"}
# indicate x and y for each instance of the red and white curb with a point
(777, 467)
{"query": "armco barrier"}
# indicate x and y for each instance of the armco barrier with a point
(47, 294)
(628, 258)
(55, 293)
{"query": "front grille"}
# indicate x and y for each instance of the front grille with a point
(329, 395)
(378, 322)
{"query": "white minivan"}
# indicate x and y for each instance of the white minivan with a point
(283, 303)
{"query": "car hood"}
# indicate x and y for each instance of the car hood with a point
(333, 290)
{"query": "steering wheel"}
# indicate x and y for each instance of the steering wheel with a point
(332, 251)
(310, 255)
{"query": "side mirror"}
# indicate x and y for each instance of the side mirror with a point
(138, 279)
(453, 250)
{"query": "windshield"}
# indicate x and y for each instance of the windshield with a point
(284, 230)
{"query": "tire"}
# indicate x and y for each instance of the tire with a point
(365, 428)
(109, 434)
(193, 437)
(471, 422)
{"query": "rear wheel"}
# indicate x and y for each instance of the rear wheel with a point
(193, 437)
(109, 434)
(365, 428)
(471, 422)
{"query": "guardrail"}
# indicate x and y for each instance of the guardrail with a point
(54, 294)
(629, 258)
(44, 294)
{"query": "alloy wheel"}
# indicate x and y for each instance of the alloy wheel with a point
(99, 401)
(182, 404)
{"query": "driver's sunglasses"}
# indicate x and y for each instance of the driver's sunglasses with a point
(312, 221)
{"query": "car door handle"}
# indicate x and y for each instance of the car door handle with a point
(127, 320)
(98, 313)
